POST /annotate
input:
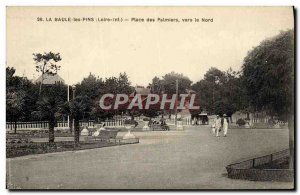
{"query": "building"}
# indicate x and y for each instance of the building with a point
(50, 79)
(140, 90)
(185, 113)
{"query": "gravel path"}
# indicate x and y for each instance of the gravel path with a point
(190, 159)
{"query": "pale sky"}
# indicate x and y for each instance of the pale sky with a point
(142, 50)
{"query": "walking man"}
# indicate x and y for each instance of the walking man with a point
(213, 127)
(218, 125)
(225, 125)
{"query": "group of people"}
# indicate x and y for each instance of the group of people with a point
(220, 123)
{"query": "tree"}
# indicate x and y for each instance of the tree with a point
(221, 92)
(156, 85)
(268, 71)
(91, 86)
(94, 87)
(169, 83)
(46, 65)
(11, 80)
(15, 106)
(79, 108)
(233, 94)
(20, 97)
(124, 84)
(50, 104)
(208, 90)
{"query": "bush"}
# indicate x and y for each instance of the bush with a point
(271, 122)
(240, 122)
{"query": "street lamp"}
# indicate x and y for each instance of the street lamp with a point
(73, 89)
(216, 82)
(176, 102)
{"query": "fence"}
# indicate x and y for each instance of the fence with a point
(187, 121)
(249, 169)
(114, 123)
(27, 125)
(41, 125)
(36, 125)
(255, 162)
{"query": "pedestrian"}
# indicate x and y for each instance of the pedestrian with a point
(213, 128)
(218, 125)
(225, 125)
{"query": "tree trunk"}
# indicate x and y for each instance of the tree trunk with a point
(51, 130)
(291, 141)
(15, 127)
(76, 132)
(40, 88)
(248, 116)
(71, 124)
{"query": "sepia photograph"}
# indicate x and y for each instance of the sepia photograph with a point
(150, 98)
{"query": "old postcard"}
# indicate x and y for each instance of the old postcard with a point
(150, 98)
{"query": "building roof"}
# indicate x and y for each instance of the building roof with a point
(50, 79)
(140, 90)
(190, 91)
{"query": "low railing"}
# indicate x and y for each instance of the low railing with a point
(114, 123)
(249, 170)
(252, 163)
(36, 125)
(42, 125)
(27, 125)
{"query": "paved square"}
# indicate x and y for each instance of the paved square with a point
(190, 159)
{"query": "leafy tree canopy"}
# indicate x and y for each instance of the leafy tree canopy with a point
(268, 71)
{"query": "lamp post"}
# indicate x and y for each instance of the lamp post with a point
(176, 102)
(73, 92)
(217, 80)
(178, 124)
(68, 98)
(73, 89)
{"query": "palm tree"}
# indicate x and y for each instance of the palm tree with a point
(78, 108)
(49, 106)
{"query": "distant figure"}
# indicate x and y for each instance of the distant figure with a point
(213, 128)
(150, 123)
(218, 125)
(225, 126)
(135, 124)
